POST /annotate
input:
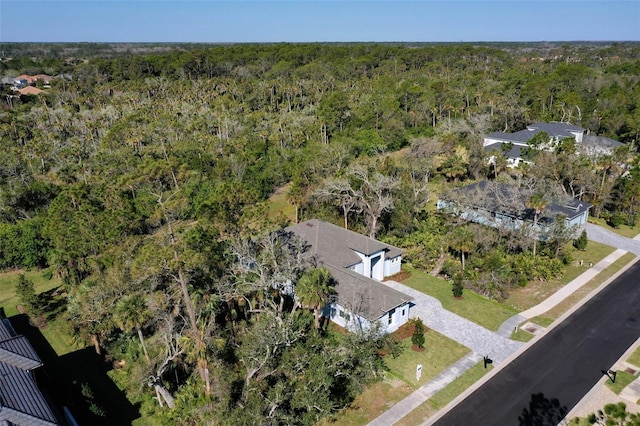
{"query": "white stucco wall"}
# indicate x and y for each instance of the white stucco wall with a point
(392, 266)
(344, 318)
(358, 268)
(378, 270)
(399, 317)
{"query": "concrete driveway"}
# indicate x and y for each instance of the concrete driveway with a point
(604, 236)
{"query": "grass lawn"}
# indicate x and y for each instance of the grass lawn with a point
(445, 396)
(624, 230)
(440, 352)
(622, 380)
(371, 403)
(634, 359)
(521, 335)
(543, 321)
(533, 293)
(583, 291)
(8, 280)
(280, 206)
(487, 313)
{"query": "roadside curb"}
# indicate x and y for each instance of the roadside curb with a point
(528, 345)
(571, 414)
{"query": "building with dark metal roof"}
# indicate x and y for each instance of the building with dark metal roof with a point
(21, 401)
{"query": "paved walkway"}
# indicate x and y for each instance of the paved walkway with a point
(574, 285)
(482, 341)
(413, 401)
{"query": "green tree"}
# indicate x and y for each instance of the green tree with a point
(580, 243)
(614, 415)
(457, 285)
(536, 202)
(417, 338)
(132, 313)
(461, 240)
(314, 290)
(27, 293)
(454, 168)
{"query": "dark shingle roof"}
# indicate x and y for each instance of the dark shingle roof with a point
(600, 141)
(559, 130)
(491, 194)
(334, 247)
(368, 298)
(520, 137)
(514, 152)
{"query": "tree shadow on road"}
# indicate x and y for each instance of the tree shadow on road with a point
(542, 412)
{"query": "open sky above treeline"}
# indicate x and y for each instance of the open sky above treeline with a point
(230, 21)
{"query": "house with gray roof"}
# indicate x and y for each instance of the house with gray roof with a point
(513, 145)
(21, 401)
(358, 264)
(505, 207)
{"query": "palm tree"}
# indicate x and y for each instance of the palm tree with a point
(454, 168)
(132, 313)
(462, 240)
(537, 202)
(314, 290)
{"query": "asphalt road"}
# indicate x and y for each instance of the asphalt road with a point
(543, 384)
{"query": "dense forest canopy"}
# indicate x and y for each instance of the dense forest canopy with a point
(142, 176)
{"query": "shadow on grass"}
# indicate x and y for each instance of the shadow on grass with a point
(52, 302)
(79, 381)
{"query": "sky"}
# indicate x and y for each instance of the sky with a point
(239, 21)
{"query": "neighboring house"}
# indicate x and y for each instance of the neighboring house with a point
(518, 141)
(594, 146)
(30, 90)
(24, 81)
(505, 207)
(357, 264)
(21, 401)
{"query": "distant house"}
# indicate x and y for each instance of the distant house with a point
(357, 264)
(21, 401)
(505, 206)
(30, 90)
(517, 142)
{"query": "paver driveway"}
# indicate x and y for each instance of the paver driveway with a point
(475, 337)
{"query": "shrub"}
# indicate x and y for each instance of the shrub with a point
(418, 334)
(580, 243)
(616, 220)
(457, 286)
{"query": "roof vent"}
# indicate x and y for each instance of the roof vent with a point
(309, 224)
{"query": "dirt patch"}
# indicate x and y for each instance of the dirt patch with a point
(283, 189)
(404, 332)
(415, 348)
(400, 276)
